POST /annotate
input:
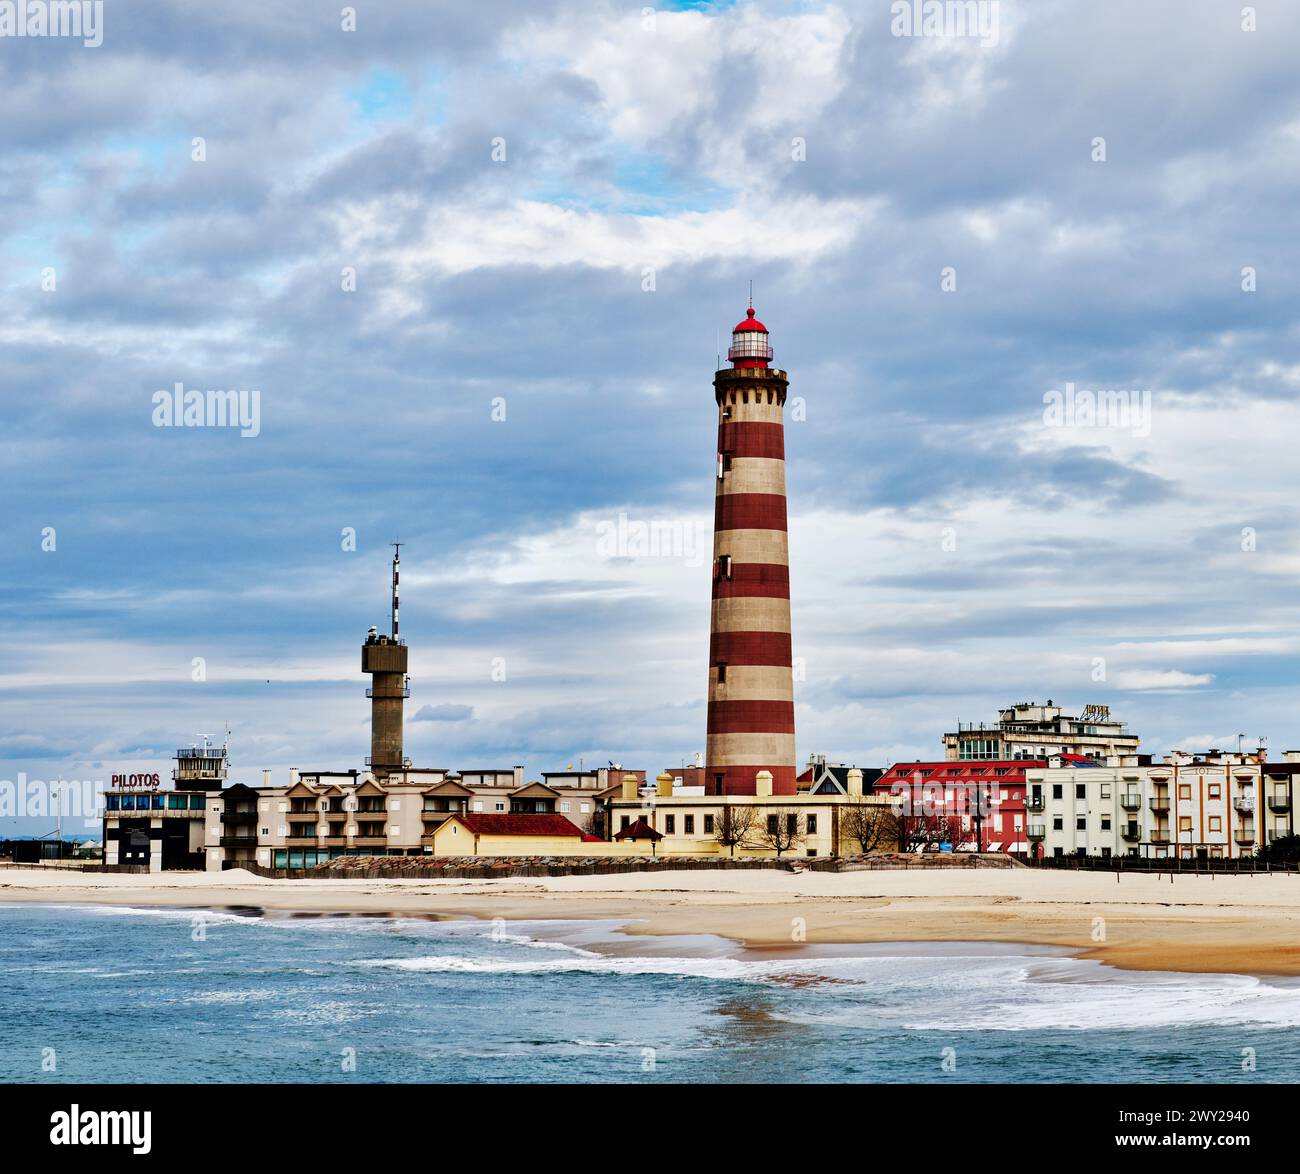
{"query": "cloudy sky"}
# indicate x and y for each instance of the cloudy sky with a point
(551, 212)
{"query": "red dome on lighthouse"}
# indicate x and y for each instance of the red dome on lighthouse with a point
(749, 345)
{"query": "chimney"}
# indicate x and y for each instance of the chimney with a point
(519, 776)
(266, 778)
(293, 776)
(664, 785)
(763, 783)
(855, 781)
(629, 787)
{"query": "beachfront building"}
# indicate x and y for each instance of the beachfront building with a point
(820, 777)
(1206, 806)
(150, 827)
(969, 806)
(1032, 730)
(325, 814)
(762, 824)
(509, 835)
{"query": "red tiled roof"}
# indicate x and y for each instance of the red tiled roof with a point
(519, 825)
(640, 830)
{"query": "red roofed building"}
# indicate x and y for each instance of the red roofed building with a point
(974, 806)
(474, 834)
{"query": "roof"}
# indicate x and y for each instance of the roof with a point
(993, 770)
(517, 825)
(750, 323)
(640, 830)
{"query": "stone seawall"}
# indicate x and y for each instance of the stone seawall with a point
(485, 867)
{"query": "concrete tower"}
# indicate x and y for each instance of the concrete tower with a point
(384, 658)
(751, 689)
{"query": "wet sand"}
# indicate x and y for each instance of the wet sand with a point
(1247, 924)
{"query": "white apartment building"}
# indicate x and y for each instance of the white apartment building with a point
(1188, 807)
(1030, 729)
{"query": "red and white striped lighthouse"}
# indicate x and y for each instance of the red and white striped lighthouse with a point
(751, 689)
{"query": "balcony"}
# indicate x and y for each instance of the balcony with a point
(238, 841)
(1279, 804)
(249, 816)
(1160, 803)
(1245, 804)
(370, 842)
(302, 835)
(1037, 831)
(1131, 801)
(1035, 802)
(1245, 836)
(1160, 837)
(1131, 832)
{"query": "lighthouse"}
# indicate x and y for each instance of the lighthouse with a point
(751, 687)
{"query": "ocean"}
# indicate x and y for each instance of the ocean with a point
(105, 994)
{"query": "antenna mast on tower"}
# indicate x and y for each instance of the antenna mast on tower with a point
(397, 563)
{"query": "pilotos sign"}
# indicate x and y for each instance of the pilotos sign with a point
(136, 782)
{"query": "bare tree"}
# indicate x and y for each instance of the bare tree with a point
(780, 830)
(922, 832)
(871, 825)
(733, 824)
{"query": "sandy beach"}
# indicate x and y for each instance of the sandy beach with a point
(1244, 924)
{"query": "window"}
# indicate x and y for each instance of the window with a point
(1057, 793)
(812, 825)
(1081, 823)
(626, 821)
(1216, 791)
(688, 822)
(1105, 823)
(564, 805)
(501, 806)
(266, 831)
(1105, 790)
(1058, 823)
(724, 566)
(670, 824)
(583, 807)
(1080, 790)
(791, 825)
(772, 825)
(1216, 823)
(1184, 823)
(722, 673)
(1184, 790)
(708, 825)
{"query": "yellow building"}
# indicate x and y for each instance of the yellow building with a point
(502, 834)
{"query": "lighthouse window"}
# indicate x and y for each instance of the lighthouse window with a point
(722, 674)
(724, 566)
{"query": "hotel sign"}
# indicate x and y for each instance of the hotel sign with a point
(136, 782)
(1095, 713)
